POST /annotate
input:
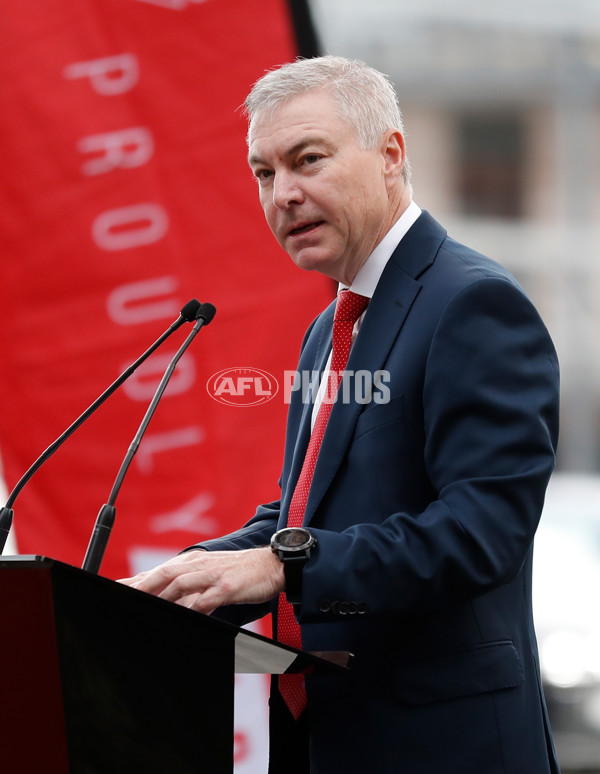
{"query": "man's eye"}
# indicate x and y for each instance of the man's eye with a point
(311, 158)
(263, 174)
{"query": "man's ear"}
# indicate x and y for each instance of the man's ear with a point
(394, 155)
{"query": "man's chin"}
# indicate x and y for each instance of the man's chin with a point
(307, 262)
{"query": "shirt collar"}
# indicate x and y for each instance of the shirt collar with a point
(370, 272)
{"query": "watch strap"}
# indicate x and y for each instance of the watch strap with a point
(293, 567)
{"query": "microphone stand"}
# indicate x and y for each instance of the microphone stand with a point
(188, 313)
(106, 517)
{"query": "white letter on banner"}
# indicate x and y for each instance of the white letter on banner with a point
(140, 302)
(156, 443)
(108, 76)
(126, 148)
(191, 516)
(143, 383)
(138, 224)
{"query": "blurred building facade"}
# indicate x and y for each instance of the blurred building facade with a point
(502, 112)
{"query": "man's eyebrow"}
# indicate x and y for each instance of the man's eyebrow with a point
(253, 158)
(316, 139)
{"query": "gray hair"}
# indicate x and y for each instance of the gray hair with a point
(364, 97)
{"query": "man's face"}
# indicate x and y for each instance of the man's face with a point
(325, 200)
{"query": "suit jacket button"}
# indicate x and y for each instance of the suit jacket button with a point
(324, 606)
(343, 608)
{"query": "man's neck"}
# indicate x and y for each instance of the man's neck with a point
(367, 277)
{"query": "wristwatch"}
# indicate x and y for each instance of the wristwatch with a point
(293, 545)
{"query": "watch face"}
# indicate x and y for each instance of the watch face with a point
(293, 538)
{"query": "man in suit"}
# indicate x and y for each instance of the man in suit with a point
(404, 532)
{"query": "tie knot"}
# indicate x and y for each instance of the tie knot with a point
(349, 306)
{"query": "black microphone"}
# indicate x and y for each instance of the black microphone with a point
(106, 516)
(188, 313)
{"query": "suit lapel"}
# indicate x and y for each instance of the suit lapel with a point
(384, 319)
(385, 316)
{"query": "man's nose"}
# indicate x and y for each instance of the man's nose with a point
(286, 190)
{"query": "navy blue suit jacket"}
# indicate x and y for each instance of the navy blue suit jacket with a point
(424, 507)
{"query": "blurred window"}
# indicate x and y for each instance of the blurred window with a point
(491, 165)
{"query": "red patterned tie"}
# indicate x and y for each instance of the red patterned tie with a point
(348, 309)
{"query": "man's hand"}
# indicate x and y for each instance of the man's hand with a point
(206, 580)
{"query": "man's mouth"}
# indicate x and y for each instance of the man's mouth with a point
(305, 228)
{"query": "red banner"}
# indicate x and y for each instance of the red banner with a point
(124, 193)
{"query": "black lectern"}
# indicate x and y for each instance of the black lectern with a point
(98, 678)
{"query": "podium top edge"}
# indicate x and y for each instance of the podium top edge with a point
(27, 559)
